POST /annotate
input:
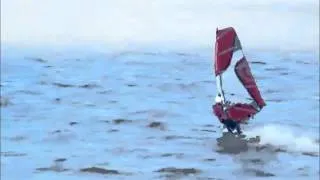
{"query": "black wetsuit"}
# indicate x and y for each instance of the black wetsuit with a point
(232, 125)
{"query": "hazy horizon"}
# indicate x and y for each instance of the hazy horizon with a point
(284, 25)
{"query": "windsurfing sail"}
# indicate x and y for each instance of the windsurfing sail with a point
(238, 97)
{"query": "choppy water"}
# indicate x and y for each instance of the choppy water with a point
(147, 115)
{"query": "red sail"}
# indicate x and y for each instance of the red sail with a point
(226, 43)
(243, 72)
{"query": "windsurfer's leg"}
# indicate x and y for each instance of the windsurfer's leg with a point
(238, 129)
(230, 125)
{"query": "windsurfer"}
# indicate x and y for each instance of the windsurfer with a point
(220, 109)
(231, 115)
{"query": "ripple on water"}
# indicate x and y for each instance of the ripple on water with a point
(179, 171)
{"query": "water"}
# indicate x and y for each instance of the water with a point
(97, 109)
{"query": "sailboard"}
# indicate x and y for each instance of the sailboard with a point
(238, 97)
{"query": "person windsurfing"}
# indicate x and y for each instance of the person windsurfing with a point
(231, 115)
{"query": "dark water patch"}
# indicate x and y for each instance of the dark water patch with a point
(105, 121)
(258, 62)
(157, 125)
(180, 171)
(172, 102)
(76, 102)
(173, 137)
(312, 154)
(187, 86)
(89, 86)
(72, 123)
(254, 161)
(302, 168)
(284, 73)
(203, 130)
(112, 101)
(59, 160)
(40, 60)
(56, 167)
(207, 130)
(90, 105)
(208, 82)
(192, 97)
(57, 100)
(271, 91)
(61, 85)
(176, 155)
(60, 136)
(12, 154)
(259, 173)
(104, 171)
(145, 156)
(132, 85)
(29, 92)
(154, 113)
(85, 86)
(209, 159)
(105, 92)
(177, 79)
(121, 121)
(4, 102)
(208, 125)
(280, 150)
(113, 130)
(303, 171)
(194, 129)
(302, 62)
(17, 138)
(275, 100)
(56, 131)
(45, 169)
(140, 112)
(275, 69)
(42, 83)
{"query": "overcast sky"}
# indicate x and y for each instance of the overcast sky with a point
(284, 24)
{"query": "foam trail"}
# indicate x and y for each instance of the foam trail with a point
(284, 137)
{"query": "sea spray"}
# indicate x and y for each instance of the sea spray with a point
(284, 137)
